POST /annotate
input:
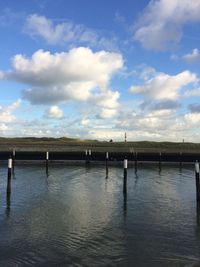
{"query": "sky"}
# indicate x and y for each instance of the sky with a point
(94, 69)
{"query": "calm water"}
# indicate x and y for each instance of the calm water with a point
(77, 217)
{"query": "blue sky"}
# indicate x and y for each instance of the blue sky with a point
(97, 69)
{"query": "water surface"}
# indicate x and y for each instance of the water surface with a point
(78, 217)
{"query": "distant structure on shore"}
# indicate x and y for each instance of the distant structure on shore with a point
(125, 137)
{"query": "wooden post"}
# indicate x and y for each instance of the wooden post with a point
(107, 157)
(13, 162)
(197, 181)
(89, 155)
(47, 163)
(125, 176)
(9, 176)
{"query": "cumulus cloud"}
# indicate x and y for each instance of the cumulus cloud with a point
(77, 91)
(192, 119)
(54, 112)
(161, 23)
(107, 113)
(159, 125)
(65, 32)
(78, 65)
(159, 115)
(6, 112)
(3, 127)
(165, 87)
(78, 75)
(192, 57)
(108, 99)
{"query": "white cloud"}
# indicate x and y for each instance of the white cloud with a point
(165, 87)
(6, 112)
(3, 127)
(54, 112)
(192, 92)
(65, 32)
(106, 134)
(85, 122)
(163, 113)
(192, 119)
(108, 99)
(78, 65)
(41, 26)
(159, 125)
(162, 22)
(77, 75)
(193, 57)
(107, 113)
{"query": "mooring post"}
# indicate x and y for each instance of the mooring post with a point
(125, 176)
(160, 160)
(197, 181)
(107, 156)
(13, 162)
(136, 156)
(89, 155)
(9, 175)
(47, 163)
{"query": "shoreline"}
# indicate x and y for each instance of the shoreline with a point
(95, 163)
(114, 158)
(97, 149)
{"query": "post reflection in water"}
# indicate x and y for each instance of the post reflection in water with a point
(125, 203)
(180, 169)
(8, 203)
(198, 216)
(136, 179)
(136, 168)
(106, 171)
(125, 185)
(160, 169)
(125, 189)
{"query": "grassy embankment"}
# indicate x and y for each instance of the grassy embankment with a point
(69, 144)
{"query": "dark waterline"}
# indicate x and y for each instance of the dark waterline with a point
(78, 217)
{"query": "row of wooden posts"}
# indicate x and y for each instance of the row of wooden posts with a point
(88, 153)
